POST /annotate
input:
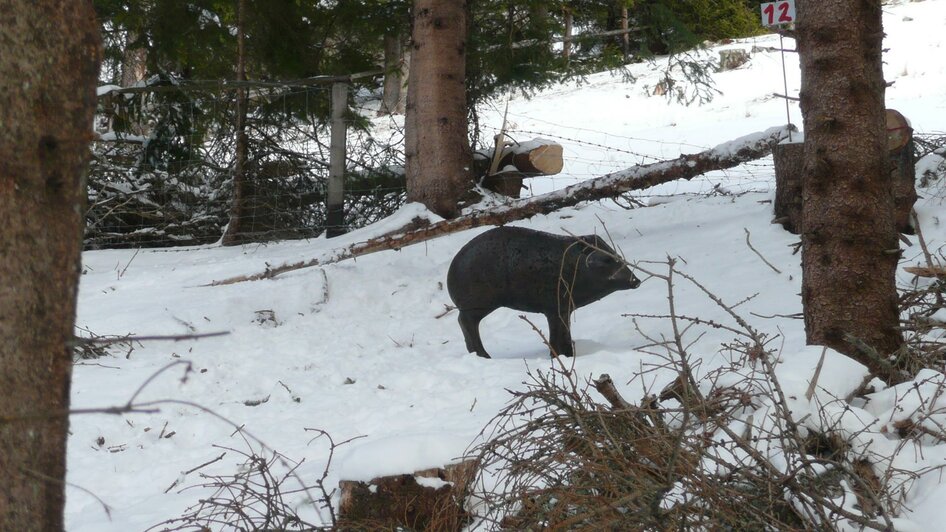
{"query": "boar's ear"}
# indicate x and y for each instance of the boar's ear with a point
(589, 242)
(594, 242)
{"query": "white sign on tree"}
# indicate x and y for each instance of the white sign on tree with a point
(778, 13)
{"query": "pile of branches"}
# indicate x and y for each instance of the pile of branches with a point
(922, 301)
(727, 449)
(263, 492)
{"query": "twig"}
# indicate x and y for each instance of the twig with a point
(189, 471)
(156, 338)
(754, 250)
(125, 269)
(814, 379)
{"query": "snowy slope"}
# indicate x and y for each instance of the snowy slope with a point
(364, 348)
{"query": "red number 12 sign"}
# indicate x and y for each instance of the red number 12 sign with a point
(776, 13)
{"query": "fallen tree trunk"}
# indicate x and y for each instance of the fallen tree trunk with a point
(727, 155)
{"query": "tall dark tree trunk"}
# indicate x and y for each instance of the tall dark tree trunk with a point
(437, 148)
(850, 245)
(48, 72)
(236, 229)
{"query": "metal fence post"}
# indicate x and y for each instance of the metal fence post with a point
(335, 195)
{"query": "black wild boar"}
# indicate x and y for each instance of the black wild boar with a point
(532, 271)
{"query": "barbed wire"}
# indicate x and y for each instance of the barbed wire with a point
(143, 196)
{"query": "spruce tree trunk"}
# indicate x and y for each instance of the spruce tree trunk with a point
(239, 211)
(850, 245)
(48, 72)
(437, 148)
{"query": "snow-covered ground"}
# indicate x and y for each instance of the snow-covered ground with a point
(365, 348)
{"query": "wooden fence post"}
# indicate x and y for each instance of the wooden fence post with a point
(335, 195)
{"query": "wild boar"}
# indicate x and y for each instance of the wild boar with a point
(532, 271)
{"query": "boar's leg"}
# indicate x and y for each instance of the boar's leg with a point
(560, 337)
(470, 325)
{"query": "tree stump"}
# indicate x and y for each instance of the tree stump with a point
(789, 160)
(431, 499)
(902, 169)
(732, 59)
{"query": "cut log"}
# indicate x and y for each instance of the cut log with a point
(536, 157)
(432, 499)
(789, 160)
(727, 155)
(518, 161)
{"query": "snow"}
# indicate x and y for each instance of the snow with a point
(367, 351)
(105, 89)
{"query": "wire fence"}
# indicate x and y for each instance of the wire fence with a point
(163, 165)
(163, 161)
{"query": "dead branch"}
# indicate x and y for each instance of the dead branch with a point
(605, 387)
(727, 155)
(754, 250)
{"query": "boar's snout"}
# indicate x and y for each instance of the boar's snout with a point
(626, 278)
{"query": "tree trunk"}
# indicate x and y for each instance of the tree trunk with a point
(626, 38)
(437, 148)
(849, 242)
(567, 38)
(135, 70)
(392, 97)
(239, 208)
(134, 61)
(48, 73)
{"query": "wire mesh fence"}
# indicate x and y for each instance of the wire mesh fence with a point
(163, 163)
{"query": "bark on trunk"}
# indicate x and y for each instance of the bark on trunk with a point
(849, 242)
(437, 149)
(48, 74)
